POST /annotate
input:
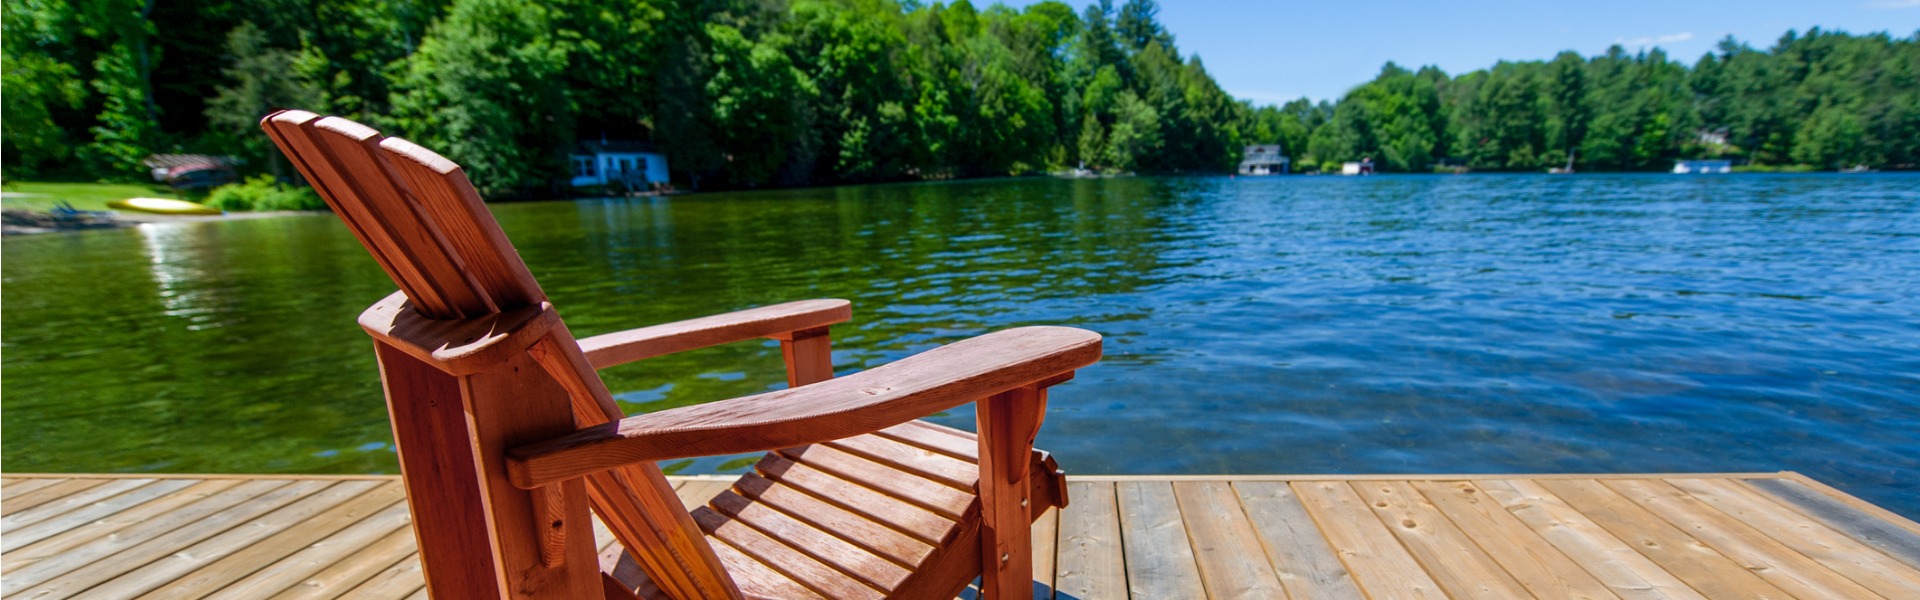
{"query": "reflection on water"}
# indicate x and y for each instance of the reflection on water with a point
(1277, 325)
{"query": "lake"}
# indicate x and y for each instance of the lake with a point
(1399, 324)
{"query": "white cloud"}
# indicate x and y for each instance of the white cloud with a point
(1893, 4)
(1670, 38)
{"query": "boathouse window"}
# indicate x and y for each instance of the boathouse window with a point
(582, 166)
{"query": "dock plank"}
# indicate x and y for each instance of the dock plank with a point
(14, 488)
(1791, 571)
(1153, 534)
(21, 536)
(1224, 540)
(1836, 550)
(56, 491)
(1046, 538)
(1620, 567)
(1890, 537)
(1091, 563)
(1380, 565)
(1454, 560)
(220, 561)
(76, 569)
(1695, 563)
(1257, 536)
(113, 524)
(695, 494)
(165, 558)
(374, 560)
(398, 581)
(13, 523)
(1544, 570)
(1295, 548)
(282, 574)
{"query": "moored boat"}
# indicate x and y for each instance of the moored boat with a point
(163, 206)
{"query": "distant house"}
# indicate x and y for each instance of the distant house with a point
(1264, 160)
(636, 165)
(1686, 167)
(192, 171)
(1364, 167)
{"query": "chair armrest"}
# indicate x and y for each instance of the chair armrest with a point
(767, 321)
(457, 346)
(864, 402)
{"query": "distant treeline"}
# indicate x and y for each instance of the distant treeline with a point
(1821, 100)
(792, 92)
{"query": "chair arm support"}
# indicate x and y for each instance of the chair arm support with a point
(767, 321)
(864, 402)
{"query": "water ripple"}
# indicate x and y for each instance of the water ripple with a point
(1278, 325)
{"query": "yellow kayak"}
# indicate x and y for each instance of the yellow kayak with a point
(164, 206)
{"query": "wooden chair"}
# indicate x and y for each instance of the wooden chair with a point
(507, 436)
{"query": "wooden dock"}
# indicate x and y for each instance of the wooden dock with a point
(1772, 535)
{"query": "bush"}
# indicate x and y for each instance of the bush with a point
(262, 193)
(1774, 169)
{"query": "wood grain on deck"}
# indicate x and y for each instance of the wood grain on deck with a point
(1403, 536)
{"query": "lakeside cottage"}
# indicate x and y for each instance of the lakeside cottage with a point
(636, 165)
(1264, 160)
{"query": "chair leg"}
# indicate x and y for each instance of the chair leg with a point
(1008, 422)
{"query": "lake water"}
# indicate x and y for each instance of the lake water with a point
(1414, 324)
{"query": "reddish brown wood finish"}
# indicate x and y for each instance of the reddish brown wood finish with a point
(477, 365)
(779, 321)
(871, 400)
(422, 221)
(436, 463)
(1008, 422)
(809, 356)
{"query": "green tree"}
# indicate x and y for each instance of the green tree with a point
(261, 79)
(1832, 138)
(755, 90)
(486, 89)
(1139, 26)
(38, 87)
(1566, 111)
(1136, 134)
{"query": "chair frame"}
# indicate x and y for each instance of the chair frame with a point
(508, 440)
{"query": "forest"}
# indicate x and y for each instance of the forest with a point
(1814, 101)
(753, 93)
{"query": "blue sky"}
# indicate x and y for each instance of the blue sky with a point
(1272, 51)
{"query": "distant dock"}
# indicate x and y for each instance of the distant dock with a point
(1746, 535)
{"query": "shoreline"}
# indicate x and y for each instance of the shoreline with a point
(49, 223)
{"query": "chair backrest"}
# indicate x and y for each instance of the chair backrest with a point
(414, 210)
(422, 220)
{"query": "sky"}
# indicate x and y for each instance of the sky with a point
(1272, 51)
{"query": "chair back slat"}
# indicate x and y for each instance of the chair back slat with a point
(340, 159)
(447, 198)
(284, 129)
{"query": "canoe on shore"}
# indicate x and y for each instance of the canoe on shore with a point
(163, 206)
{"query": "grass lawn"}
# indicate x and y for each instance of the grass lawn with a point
(83, 196)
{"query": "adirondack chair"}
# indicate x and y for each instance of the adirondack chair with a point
(508, 438)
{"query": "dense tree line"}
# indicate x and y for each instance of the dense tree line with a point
(1821, 100)
(792, 92)
(739, 92)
